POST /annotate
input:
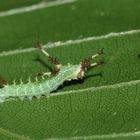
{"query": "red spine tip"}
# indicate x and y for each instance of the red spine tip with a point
(38, 46)
(3, 81)
(56, 71)
(54, 60)
(100, 62)
(101, 51)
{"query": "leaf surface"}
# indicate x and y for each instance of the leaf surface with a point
(105, 104)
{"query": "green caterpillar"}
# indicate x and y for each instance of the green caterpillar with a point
(45, 87)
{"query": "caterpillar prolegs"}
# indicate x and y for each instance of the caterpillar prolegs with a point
(45, 87)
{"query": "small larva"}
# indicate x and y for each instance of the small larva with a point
(45, 87)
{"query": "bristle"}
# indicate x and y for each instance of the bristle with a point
(42, 77)
(38, 96)
(21, 82)
(68, 64)
(29, 80)
(36, 79)
(14, 82)
(30, 97)
(21, 98)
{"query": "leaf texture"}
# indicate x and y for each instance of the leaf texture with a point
(105, 104)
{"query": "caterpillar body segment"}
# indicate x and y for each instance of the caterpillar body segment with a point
(37, 89)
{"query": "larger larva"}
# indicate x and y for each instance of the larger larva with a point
(45, 87)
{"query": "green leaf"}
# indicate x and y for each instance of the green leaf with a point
(104, 105)
(5, 5)
(80, 19)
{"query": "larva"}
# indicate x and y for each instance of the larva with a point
(45, 87)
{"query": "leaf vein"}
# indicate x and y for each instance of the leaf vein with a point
(114, 135)
(118, 85)
(34, 7)
(71, 42)
(13, 135)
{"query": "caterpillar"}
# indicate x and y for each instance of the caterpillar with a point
(45, 87)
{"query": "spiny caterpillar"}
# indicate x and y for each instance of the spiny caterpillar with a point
(45, 87)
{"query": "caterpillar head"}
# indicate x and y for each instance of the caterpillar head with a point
(75, 72)
(80, 70)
